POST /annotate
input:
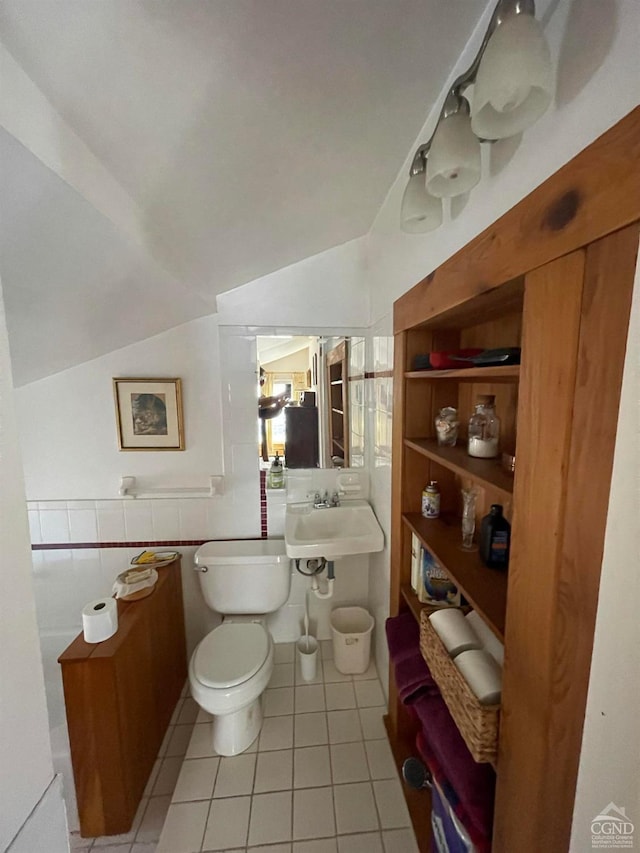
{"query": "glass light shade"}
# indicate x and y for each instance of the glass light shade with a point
(420, 211)
(453, 164)
(515, 82)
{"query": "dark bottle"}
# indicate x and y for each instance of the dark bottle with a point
(495, 536)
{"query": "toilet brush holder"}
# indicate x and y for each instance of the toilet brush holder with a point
(308, 657)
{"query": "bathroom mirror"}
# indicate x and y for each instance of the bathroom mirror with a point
(303, 400)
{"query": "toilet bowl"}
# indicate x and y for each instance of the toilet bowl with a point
(228, 672)
(231, 667)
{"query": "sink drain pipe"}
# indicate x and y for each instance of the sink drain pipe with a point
(314, 568)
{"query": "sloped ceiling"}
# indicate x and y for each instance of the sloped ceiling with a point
(250, 133)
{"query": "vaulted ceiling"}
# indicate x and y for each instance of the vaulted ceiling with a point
(249, 133)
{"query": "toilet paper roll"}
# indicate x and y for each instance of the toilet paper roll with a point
(482, 674)
(99, 620)
(490, 642)
(454, 631)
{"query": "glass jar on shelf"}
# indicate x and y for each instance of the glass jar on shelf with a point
(447, 424)
(484, 429)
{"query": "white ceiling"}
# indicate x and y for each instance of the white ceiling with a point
(251, 133)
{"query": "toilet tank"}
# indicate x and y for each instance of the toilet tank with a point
(244, 575)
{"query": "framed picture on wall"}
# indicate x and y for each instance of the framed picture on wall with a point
(149, 414)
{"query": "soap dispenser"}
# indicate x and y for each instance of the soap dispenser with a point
(276, 474)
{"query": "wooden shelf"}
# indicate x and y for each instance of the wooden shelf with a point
(336, 382)
(485, 589)
(485, 472)
(415, 606)
(337, 411)
(502, 373)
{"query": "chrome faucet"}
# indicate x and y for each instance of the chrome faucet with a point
(324, 501)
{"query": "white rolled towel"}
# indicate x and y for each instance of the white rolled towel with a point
(454, 631)
(482, 674)
(488, 639)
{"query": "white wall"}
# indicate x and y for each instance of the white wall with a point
(610, 760)
(25, 753)
(325, 290)
(68, 427)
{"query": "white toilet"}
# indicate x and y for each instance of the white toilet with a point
(229, 669)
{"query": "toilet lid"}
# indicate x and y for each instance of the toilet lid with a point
(231, 654)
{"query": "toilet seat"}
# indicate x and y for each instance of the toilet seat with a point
(231, 654)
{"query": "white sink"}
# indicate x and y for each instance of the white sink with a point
(332, 532)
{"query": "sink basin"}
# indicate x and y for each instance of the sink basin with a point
(333, 532)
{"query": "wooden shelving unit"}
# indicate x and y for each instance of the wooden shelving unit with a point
(338, 404)
(485, 589)
(561, 292)
(506, 373)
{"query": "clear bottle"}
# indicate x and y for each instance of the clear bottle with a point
(275, 480)
(484, 429)
(447, 426)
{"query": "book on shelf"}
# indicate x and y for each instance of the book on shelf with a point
(434, 585)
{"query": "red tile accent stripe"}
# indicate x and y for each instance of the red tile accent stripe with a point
(158, 543)
(263, 505)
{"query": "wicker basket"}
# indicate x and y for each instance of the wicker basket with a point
(478, 724)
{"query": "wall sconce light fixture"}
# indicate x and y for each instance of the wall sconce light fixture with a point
(513, 86)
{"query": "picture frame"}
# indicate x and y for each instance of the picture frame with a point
(149, 413)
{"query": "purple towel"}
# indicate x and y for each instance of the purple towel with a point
(413, 678)
(403, 636)
(473, 783)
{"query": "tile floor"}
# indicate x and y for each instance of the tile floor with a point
(320, 778)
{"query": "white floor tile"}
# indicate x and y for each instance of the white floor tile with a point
(310, 729)
(285, 652)
(313, 813)
(153, 819)
(184, 828)
(381, 762)
(235, 776)
(349, 763)
(332, 674)
(340, 697)
(311, 767)
(368, 693)
(309, 698)
(355, 808)
(152, 779)
(188, 712)
(228, 824)
(270, 818)
(176, 712)
(320, 845)
(399, 841)
(196, 780)
(344, 726)
(201, 743)
(370, 673)
(368, 842)
(168, 776)
(115, 848)
(278, 702)
(326, 647)
(274, 771)
(179, 740)
(149, 847)
(391, 804)
(266, 848)
(372, 722)
(276, 733)
(283, 675)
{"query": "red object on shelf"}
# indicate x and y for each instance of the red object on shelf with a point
(444, 360)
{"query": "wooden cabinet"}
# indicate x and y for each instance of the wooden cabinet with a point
(562, 292)
(119, 696)
(337, 393)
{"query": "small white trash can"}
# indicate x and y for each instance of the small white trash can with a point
(351, 629)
